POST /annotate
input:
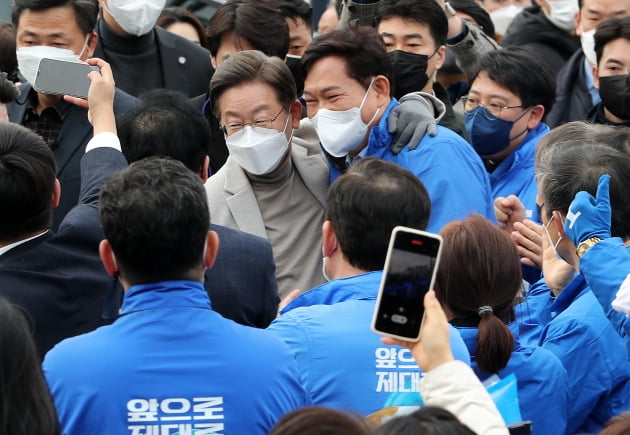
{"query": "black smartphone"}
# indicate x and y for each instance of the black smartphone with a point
(63, 77)
(410, 267)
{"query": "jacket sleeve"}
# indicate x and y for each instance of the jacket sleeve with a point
(470, 48)
(605, 266)
(455, 387)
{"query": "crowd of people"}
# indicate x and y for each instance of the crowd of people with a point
(197, 246)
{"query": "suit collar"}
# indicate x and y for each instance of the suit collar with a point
(27, 244)
(241, 199)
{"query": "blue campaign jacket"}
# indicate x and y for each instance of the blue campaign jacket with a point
(515, 174)
(577, 331)
(169, 364)
(543, 385)
(343, 363)
(447, 165)
(605, 266)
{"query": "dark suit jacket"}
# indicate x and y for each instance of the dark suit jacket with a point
(58, 277)
(73, 137)
(242, 283)
(185, 66)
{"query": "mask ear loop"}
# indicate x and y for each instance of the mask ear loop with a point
(378, 109)
(85, 44)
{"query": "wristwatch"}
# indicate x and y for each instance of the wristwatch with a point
(448, 9)
(586, 245)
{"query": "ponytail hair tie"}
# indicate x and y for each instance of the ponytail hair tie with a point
(484, 309)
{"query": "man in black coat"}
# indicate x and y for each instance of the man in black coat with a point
(145, 57)
(56, 277)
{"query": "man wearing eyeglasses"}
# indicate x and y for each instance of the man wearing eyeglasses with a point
(508, 98)
(274, 183)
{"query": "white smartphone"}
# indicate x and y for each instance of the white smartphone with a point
(410, 268)
(63, 77)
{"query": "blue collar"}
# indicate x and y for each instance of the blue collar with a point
(524, 153)
(568, 295)
(380, 137)
(358, 287)
(165, 294)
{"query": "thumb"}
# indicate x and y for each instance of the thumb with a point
(603, 192)
(392, 121)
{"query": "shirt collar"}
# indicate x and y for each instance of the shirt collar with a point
(8, 247)
(62, 107)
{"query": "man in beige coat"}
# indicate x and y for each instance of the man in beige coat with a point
(274, 184)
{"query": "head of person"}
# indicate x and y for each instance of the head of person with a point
(590, 15)
(363, 207)
(347, 76)
(508, 97)
(182, 22)
(247, 25)
(471, 12)
(328, 21)
(25, 402)
(315, 420)
(566, 165)
(131, 17)
(254, 98)
(28, 185)
(299, 17)
(61, 29)
(166, 124)
(155, 219)
(561, 13)
(429, 420)
(8, 59)
(415, 33)
(479, 290)
(612, 73)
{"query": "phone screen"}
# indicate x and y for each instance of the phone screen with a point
(408, 276)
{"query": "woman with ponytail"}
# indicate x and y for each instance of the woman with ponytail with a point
(477, 283)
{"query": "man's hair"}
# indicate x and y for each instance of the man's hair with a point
(367, 202)
(311, 420)
(295, 9)
(609, 30)
(565, 168)
(24, 391)
(256, 21)
(252, 66)
(522, 72)
(8, 58)
(422, 11)
(85, 11)
(165, 124)
(155, 216)
(480, 267)
(27, 181)
(362, 49)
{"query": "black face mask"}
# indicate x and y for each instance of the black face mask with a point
(294, 64)
(410, 72)
(615, 93)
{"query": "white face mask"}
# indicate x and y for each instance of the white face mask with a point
(258, 150)
(588, 45)
(136, 17)
(29, 57)
(562, 12)
(341, 131)
(502, 17)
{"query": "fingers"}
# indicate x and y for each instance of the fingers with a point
(529, 242)
(418, 133)
(76, 101)
(288, 299)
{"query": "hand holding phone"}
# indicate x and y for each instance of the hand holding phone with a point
(434, 347)
(410, 266)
